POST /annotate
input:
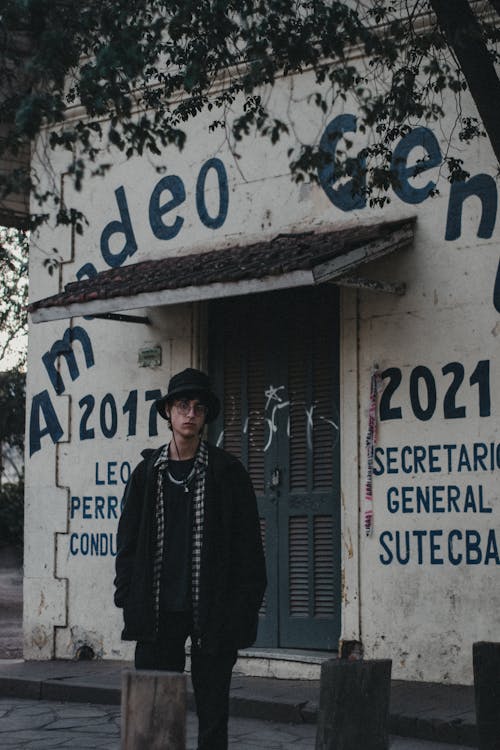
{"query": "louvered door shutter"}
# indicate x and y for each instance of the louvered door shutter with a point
(275, 359)
(240, 362)
(309, 519)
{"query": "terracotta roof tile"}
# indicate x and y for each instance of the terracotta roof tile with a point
(284, 254)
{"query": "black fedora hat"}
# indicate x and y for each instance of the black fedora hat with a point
(193, 383)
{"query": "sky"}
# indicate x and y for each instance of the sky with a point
(12, 282)
(11, 357)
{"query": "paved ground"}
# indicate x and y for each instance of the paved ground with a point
(443, 713)
(266, 713)
(47, 725)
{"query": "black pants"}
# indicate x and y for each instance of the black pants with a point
(210, 675)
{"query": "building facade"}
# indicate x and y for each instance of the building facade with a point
(356, 351)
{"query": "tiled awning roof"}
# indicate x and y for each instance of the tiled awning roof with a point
(286, 261)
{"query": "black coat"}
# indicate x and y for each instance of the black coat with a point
(232, 577)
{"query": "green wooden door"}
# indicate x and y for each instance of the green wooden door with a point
(274, 358)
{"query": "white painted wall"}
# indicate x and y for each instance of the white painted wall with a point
(423, 614)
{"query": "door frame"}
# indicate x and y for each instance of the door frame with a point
(277, 593)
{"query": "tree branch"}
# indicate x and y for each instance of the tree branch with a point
(464, 35)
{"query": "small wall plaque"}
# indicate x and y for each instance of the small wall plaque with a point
(150, 356)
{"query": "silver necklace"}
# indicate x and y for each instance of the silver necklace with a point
(182, 482)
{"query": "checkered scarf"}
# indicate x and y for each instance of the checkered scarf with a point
(200, 466)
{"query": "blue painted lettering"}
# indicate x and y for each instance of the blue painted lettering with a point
(391, 455)
(419, 137)
(423, 499)
(437, 547)
(450, 448)
(41, 405)
(86, 507)
(348, 196)
(378, 466)
(112, 473)
(406, 453)
(473, 547)
(463, 461)
(125, 471)
(91, 507)
(470, 502)
(124, 227)
(201, 206)
(435, 458)
(160, 206)
(72, 544)
(403, 557)
(455, 559)
(496, 290)
(480, 453)
(74, 506)
(93, 545)
(393, 499)
(482, 508)
(87, 271)
(419, 534)
(388, 558)
(174, 185)
(419, 455)
(483, 186)
(453, 496)
(351, 195)
(63, 347)
(491, 549)
(436, 499)
(98, 480)
(406, 499)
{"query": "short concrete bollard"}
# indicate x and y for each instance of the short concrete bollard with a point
(486, 661)
(354, 705)
(153, 710)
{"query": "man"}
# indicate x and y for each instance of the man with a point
(189, 559)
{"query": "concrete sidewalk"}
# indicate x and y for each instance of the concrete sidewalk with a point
(442, 713)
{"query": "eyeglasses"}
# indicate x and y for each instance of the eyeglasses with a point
(184, 407)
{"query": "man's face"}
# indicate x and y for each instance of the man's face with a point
(187, 416)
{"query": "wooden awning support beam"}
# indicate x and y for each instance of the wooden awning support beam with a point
(124, 318)
(342, 265)
(372, 285)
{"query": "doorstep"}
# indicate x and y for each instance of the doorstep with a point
(282, 664)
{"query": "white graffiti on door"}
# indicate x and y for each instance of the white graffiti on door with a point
(261, 426)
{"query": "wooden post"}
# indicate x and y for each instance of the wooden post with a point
(486, 661)
(153, 710)
(354, 705)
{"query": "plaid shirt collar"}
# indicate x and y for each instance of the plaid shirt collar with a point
(200, 460)
(201, 463)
